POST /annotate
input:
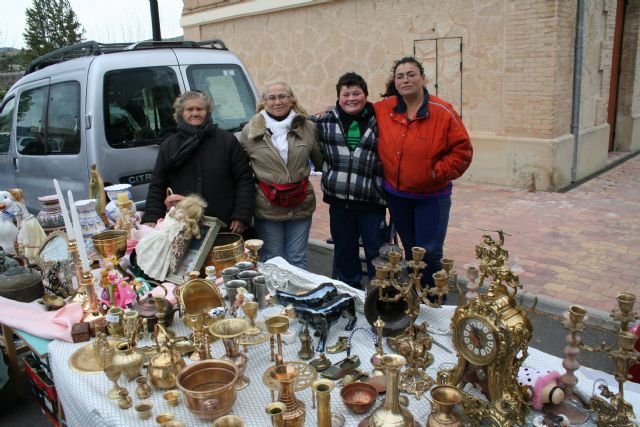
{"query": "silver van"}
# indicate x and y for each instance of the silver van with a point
(110, 104)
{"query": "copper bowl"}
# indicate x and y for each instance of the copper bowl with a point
(209, 387)
(359, 396)
(227, 250)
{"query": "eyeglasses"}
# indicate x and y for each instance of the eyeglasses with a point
(274, 98)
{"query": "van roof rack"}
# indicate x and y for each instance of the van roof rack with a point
(93, 48)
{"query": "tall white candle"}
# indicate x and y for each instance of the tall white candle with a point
(65, 213)
(77, 228)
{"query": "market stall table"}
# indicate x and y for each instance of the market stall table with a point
(85, 402)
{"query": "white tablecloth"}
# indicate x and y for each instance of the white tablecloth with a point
(85, 403)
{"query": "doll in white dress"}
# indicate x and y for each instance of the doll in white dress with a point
(158, 252)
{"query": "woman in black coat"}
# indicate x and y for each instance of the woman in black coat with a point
(200, 158)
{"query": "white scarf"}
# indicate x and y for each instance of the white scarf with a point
(279, 131)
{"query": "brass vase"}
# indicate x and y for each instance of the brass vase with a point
(129, 359)
(295, 411)
(391, 413)
(229, 330)
(443, 400)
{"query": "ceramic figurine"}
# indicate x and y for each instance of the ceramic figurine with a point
(8, 229)
(30, 233)
(159, 251)
(126, 219)
(96, 192)
(111, 210)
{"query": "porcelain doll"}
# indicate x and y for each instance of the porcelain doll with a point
(159, 251)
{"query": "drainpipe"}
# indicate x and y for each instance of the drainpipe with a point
(155, 20)
(577, 85)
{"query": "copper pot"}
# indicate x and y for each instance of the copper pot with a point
(209, 387)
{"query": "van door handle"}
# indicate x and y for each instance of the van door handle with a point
(15, 163)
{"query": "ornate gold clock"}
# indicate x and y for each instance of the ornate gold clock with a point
(491, 336)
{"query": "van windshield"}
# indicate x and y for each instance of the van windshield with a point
(138, 106)
(227, 84)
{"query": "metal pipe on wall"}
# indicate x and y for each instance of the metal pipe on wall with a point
(577, 86)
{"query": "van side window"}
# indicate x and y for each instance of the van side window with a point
(63, 119)
(30, 125)
(6, 121)
(138, 106)
(227, 85)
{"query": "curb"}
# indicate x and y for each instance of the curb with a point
(546, 304)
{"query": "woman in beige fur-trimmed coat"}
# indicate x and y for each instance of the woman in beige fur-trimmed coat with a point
(280, 141)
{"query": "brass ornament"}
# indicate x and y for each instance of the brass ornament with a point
(491, 334)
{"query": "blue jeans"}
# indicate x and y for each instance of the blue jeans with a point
(288, 239)
(347, 226)
(422, 223)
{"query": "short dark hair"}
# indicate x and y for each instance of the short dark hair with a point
(351, 79)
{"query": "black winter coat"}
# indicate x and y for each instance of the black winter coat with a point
(218, 170)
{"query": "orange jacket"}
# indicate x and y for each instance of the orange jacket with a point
(424, 154)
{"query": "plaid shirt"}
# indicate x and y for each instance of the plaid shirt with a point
(350, 178)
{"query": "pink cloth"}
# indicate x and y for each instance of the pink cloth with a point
(34, 319)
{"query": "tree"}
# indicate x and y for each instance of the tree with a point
(51, 24)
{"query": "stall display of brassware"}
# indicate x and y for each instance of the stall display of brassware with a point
(489, 316)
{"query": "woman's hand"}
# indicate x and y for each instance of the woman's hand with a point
(237, 226)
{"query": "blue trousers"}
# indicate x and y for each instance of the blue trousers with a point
(422, 223)
(347, 227)
(287, 239)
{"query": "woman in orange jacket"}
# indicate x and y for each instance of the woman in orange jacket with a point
(423, 146)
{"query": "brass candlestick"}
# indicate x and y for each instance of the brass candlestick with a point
(472, 286)
(376, 359)
(72, 247)
(198, 323)
(254, 246)
(277, 325)
(574, 322)
(624, 313)
(90, 304)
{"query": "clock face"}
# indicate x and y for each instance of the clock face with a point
(476, 340)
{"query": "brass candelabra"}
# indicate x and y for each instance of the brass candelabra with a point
(616, 411)
(415, 344)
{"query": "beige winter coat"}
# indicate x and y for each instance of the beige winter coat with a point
(269, 167)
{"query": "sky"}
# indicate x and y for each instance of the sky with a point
(106, 21)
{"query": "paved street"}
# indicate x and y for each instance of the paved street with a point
(578, 247)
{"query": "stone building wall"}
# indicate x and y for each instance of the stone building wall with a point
(514, 89)
(627, 136)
